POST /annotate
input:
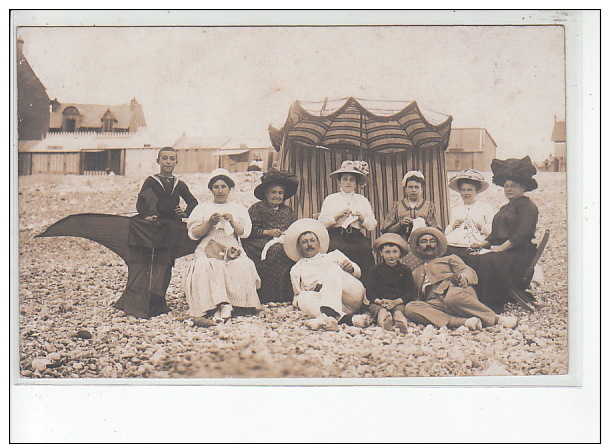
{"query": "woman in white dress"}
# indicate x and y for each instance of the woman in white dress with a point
(221, 276)
(471, 218)
(348, 215)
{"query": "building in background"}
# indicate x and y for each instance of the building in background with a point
(556, 162)
(92, 153)
(135, 154)
(243, 155)
(96, 139)
(88, 139)
(470, 148)
(32, 101)
(94, 118)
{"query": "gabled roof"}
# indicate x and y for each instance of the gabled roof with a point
(199, 142)
(126, 115)
(559, 131)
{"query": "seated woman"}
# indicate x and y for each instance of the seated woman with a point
(221, 276)
(346, 213)
(410, 213)
(471, 218)
(270, 218)
(512, 231)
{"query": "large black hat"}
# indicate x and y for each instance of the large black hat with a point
(289, 181)
(518, 170)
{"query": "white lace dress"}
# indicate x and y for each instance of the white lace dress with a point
(210, 281)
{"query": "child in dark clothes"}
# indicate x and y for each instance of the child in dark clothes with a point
(389, 285)
(160, 194)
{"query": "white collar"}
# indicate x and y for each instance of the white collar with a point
(310, 259)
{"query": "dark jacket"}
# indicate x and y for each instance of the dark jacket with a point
(167, 198)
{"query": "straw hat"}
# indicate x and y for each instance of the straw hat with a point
(469, 174)
(359, 168)
(439, 235)
(392, 238)
(411, 174)
(518, 170)
(221, 174)
(291, 236)
(289, 181)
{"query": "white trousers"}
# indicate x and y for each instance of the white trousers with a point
(344, 294)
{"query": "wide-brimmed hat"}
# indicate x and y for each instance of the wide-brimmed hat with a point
(439, 235)
(468, 174)
(221, 174)
(291, 236)
(411, 174)
(359, 168)
(518, 170)
(289, 181)
(392, 238)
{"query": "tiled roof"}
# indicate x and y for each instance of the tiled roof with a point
(125, 115)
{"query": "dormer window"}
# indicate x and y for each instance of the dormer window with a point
(108, 122)
(70, 118)
(108, 125)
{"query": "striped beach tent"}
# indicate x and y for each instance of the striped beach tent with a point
(318, 136)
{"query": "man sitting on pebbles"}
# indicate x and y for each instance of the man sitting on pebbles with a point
(445, 287)
(325, 284)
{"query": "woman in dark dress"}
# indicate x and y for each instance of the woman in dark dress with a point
(270, 218)
(513, 228)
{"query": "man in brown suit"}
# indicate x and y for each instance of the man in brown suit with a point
(444, 284)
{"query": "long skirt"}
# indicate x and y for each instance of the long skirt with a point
(149, 274)
(355, 245)
(499, 272)
(274, 271)
(210, 282)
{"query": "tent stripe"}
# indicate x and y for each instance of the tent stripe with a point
(411, 143)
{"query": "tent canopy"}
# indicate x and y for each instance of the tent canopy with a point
(318, 136)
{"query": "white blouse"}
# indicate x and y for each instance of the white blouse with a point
(203, 211)
(340, 201)
(480, 212)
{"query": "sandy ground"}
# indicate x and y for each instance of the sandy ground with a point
(69, 284)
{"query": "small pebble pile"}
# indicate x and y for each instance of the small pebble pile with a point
(68, 328)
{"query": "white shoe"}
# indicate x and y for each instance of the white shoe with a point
(473, 324)
(316, 323)
(226, 311)
(362, 321)
(217, 317)
(330, 324)
(323, 322)
(507, 321)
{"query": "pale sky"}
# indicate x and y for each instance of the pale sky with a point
(234, 81)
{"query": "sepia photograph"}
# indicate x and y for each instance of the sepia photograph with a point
(293, 216)
(203, 202)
